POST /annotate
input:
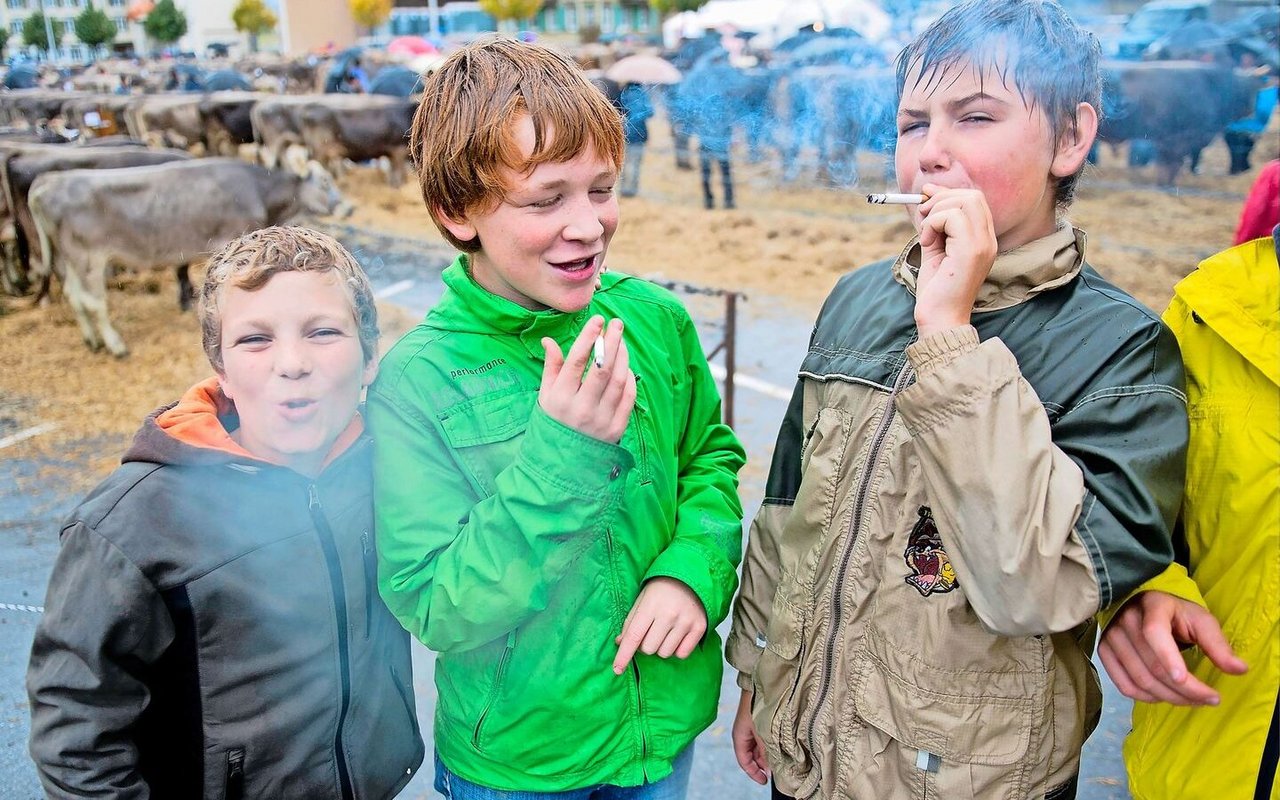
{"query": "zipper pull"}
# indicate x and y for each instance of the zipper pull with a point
(313, 498)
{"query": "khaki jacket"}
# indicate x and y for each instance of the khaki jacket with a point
(942, 520)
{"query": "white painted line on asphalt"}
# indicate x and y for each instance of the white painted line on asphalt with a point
(754, 384)
(394, 289)
(20, 607)
(22, 436)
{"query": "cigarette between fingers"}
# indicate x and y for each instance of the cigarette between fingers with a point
(893, 199)
(597, 351)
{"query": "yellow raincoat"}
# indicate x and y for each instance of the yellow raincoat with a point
(1226, 316)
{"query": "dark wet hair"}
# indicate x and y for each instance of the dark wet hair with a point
(1051, 61)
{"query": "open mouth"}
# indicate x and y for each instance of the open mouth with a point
(576, 268)
(298, 410)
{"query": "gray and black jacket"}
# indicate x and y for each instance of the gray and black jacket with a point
(213, 630)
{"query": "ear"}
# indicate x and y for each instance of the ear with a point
(370, 372)
(461, 228)
(1074, 142)
(222, 384)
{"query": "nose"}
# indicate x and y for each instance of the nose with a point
(584, 222)
(935, 155)
(292, 360)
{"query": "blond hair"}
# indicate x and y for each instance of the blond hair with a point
(251, 260)
(463, 132)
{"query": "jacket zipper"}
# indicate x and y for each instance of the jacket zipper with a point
(234, 788)
(370, 581)
(493, 692)
(641, 424)
(330, 550)
(859, 505)
(644, 744)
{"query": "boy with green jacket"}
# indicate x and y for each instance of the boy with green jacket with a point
(556, 526)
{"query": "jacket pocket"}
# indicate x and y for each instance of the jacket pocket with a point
(233, 788)
(486, 432)
(938, 719)
(495, 691)
(777, 680)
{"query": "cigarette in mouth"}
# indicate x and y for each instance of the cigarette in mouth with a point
(597, 351)
(892, 199)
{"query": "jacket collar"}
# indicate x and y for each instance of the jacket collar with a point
(1237, 294)
(468, 307)
(1017, 275)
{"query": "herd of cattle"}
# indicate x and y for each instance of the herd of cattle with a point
(128, 192)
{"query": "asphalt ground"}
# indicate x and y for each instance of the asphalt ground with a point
(771, 338)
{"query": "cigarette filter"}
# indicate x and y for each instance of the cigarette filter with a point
(895, 199)
(597, 351)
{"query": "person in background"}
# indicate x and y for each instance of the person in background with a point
(1261, 212)
(636, 111)
(1241, 135)
(1199, 646)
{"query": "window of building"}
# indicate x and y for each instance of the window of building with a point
(16, 3)
(116, 3)
(75, 52)
(16, 27)
(121, 23)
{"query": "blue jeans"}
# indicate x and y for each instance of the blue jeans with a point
(672, 787)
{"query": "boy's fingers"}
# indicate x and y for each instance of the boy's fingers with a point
(1207, 633)
(1120, 676)
(633, 634)
(580, 351)
(672, 643)
(689, 644)
(553, 362)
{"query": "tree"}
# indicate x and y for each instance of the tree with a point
(94, 27)
(165, 24)
(34, 33)
(665, 7)
(513, 10)
(254, 18)
(370, 13)
(4, 40)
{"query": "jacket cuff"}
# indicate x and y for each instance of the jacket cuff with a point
(574, 462)
(1174, 580)
(742, 654)
(939, 349)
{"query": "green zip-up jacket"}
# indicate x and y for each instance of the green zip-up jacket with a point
(515, 546)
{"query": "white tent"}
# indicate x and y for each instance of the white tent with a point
(774, 20)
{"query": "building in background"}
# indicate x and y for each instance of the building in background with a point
(312, 25)
(461, 18)
(13, 13)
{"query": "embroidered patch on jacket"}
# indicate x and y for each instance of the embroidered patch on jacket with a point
(930, 565)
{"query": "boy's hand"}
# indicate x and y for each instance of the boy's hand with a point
(1140, 650)
(958, 247)
(666, 619)
(598, 404)
(747, 747)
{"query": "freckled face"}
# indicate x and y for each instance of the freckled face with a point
(971, 129)
(545, 243)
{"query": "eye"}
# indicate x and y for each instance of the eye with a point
(253, 340)
(602, 191)
(325, 333)
(976, 117)
(909, 127)
(547, 203)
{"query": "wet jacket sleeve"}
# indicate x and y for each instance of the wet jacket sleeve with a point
(103, 623)
(1048, 523)
(460, 572)
(762, 564)
(707, 545)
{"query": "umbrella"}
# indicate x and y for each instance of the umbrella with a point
(396, 81)
(226, 79)
(22, 77)
(410, 46)
(643, 69)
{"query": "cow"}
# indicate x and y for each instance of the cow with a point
(227, 120)
(275, 126)
(167, 120)
(358, 128)
(19, 171)
(90, 221)
(1180, 106)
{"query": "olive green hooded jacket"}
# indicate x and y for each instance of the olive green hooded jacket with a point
(515, 546)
